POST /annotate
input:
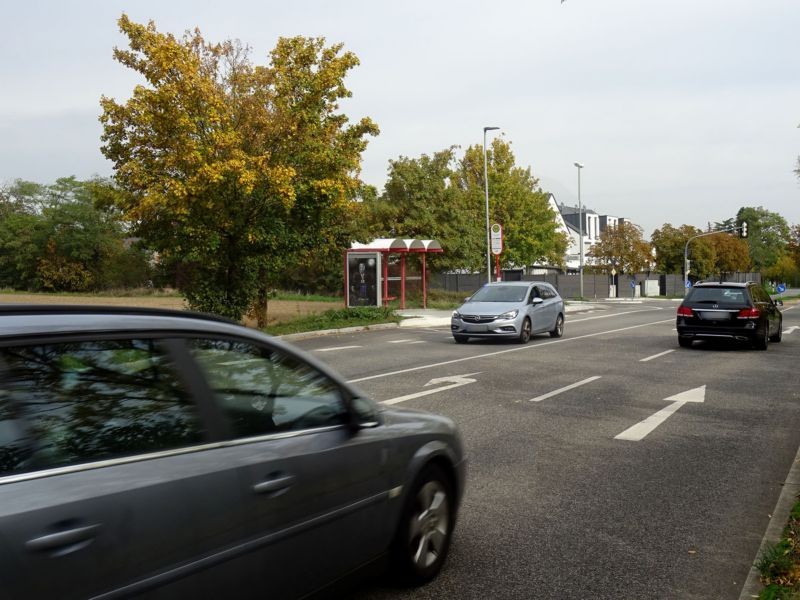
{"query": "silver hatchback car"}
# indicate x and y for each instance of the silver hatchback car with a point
(163, 454)
(510, 309)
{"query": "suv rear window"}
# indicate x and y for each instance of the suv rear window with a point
(718, 295)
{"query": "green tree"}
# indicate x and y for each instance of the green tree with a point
(236, 170)
(623, 248)
(420, 200)
(517, 202)
(768, 235)
(731, 253)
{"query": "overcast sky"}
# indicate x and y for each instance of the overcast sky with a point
(681, 110)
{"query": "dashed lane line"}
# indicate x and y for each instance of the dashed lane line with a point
(566, 388)
(649, 358)
(499, 352)
(335, 348)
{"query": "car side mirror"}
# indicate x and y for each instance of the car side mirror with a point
(536, 301)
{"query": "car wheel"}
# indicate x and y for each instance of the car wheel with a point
(762, 341)
(425, 529)
(460, 339)
(558, 330)
(525, 332)
(685, 342)
(777, 337)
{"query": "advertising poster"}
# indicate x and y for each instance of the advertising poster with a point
(363, 279)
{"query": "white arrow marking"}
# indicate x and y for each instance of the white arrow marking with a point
(640, 430)
(454, 380)
(789, 330)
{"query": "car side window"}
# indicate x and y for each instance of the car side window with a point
(263, 391)
(64, 404)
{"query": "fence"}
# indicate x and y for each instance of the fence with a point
(594, 286)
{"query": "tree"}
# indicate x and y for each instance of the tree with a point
(421, 200)
(517, 202)
(236, 170)
(731, 253)
(768, 235)
(623, 248)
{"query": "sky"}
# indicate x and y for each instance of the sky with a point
(681, 111)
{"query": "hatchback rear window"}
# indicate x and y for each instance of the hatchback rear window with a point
(718, 295)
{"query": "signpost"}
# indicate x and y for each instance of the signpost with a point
(496, 235)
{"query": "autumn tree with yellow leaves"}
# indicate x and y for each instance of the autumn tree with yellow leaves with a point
(238, 171)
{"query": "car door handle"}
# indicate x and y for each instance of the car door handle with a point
(274, 485)
(64, 541)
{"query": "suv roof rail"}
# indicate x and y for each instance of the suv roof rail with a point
(100, 309)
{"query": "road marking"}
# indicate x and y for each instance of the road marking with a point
(627, 312)
(564, 389)
(417, 342)
(790, 329)
(638, 432)
(335, 348)
(399, 341)
(656, 355)
(454, 380)
(499, 352)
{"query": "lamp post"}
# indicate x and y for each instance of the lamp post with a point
(486, 188)
(580, 228)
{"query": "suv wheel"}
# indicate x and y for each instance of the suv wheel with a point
(685, 342)
(777, 336)
(762, 341)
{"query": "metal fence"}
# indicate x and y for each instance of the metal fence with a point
(594, 286)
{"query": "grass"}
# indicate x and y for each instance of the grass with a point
(779, 564)
(141, 292)
(336, 319)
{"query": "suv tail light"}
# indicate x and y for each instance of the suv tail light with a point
(685, 311)
(748, 313)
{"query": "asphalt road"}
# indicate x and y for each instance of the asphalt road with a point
(558, 506)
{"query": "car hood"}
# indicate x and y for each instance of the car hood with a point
(487, 308)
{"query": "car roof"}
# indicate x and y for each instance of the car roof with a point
(723, 284)
(516, 283)
(45, 319)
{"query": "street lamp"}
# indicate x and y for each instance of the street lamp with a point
(580, 228)
(486, 188)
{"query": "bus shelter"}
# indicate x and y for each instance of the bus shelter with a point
(366, 268)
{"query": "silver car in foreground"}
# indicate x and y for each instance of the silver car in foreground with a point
(161, 454)
(510, 309)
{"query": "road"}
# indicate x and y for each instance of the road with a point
(609, 463)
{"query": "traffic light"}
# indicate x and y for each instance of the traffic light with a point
(743, 229)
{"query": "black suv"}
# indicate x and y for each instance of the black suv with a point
(154, 453)
(734, 311)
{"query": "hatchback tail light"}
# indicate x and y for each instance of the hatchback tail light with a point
(748, 313)
(684, 311)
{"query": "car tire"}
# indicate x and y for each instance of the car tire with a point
(460, 339)
(426, 526)
(776, 338)
(558, 330)
(525, 331)
(762, 341)
(685, 342)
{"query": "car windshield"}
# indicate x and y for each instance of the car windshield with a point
(500, 293)
(717, 295)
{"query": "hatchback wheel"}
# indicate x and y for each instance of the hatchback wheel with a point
(460, 339)
(558, 330)
(423, 536)
(525, 332)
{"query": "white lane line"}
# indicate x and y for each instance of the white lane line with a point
(638, 432)
(789, 330)
(417, 342)
(649, 358)
(564, 389)
(399, 341)
(335, 348)
(499, 352)
(627, 312)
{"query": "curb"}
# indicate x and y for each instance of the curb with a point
(289, 337)
(780, 516)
